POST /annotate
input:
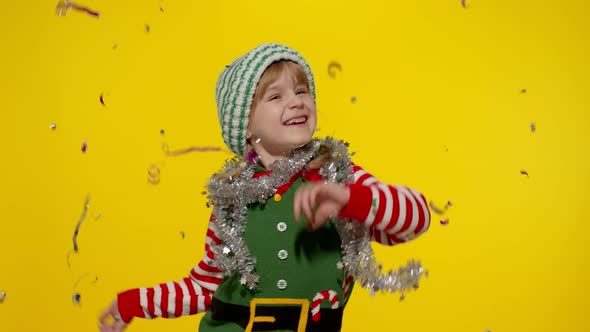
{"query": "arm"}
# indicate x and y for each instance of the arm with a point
(394, 214)
(189, 296)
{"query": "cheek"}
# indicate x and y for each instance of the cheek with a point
(310, 104)
(265, 123)
(313, 123)
(262, 117)
(313, 110)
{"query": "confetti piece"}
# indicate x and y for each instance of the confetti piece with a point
(114, 47)
(523, 172)
(147, 28)
(463, 3)
(101, 99)
(97, 217)
(353, 99)
(332, 67)
(2, 297)
(444, 222)
(68, 260)
(436, 209)
(154, 170)
(82, 217)
(533, 127)
(523, 91)
(53, 126)
(153, 174)
(82, 277)
(182, 234)
(188, 150)
(162, 132)
(84, 146)
(161, 9)
(63, 6)
(76, 297)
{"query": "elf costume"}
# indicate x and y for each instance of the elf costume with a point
(262, 271)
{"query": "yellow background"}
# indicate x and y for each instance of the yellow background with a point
(439, 108)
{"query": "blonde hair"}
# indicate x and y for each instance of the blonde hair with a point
(271, 74)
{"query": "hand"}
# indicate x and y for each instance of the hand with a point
(112, 311)
(325, 199)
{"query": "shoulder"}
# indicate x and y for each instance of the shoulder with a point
(342, 146)
(339, 166)
(230, 164)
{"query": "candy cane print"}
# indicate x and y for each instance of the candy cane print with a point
(325, 295)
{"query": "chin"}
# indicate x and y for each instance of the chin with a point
(297, 143)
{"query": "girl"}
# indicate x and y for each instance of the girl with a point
(272, 260)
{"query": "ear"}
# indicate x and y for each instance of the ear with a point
(249, 130)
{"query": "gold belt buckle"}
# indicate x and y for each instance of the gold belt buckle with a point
(304, 303)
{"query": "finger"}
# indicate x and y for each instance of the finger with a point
(319, 197)
(119, 326)
(105, 315)
(323, 214)
(319, 191)
(309, 200)
(313, 194)
(105, 328)
(297, 205)
(306, 206)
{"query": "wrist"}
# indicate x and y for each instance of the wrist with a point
(358, 203)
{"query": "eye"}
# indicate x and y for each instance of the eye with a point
(273, 97)
(302, 91)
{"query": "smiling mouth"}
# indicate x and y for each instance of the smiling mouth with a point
(296, 121)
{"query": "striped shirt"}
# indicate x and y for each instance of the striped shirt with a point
(393, 214)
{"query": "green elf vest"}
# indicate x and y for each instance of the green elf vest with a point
(291, 261)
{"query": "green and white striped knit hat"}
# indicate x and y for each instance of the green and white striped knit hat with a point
(236, 86)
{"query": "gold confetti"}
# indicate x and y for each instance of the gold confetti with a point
(332, 67)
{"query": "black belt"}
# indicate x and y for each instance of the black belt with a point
(286, 317)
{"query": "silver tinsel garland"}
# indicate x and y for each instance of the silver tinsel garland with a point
(230, 199)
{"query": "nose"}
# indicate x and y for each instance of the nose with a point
(295, 101)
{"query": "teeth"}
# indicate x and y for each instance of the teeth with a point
(298, 120)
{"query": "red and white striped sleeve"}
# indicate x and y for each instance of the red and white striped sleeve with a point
(172, 299)
(394, 214)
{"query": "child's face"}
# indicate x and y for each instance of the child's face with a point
(284, 117)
